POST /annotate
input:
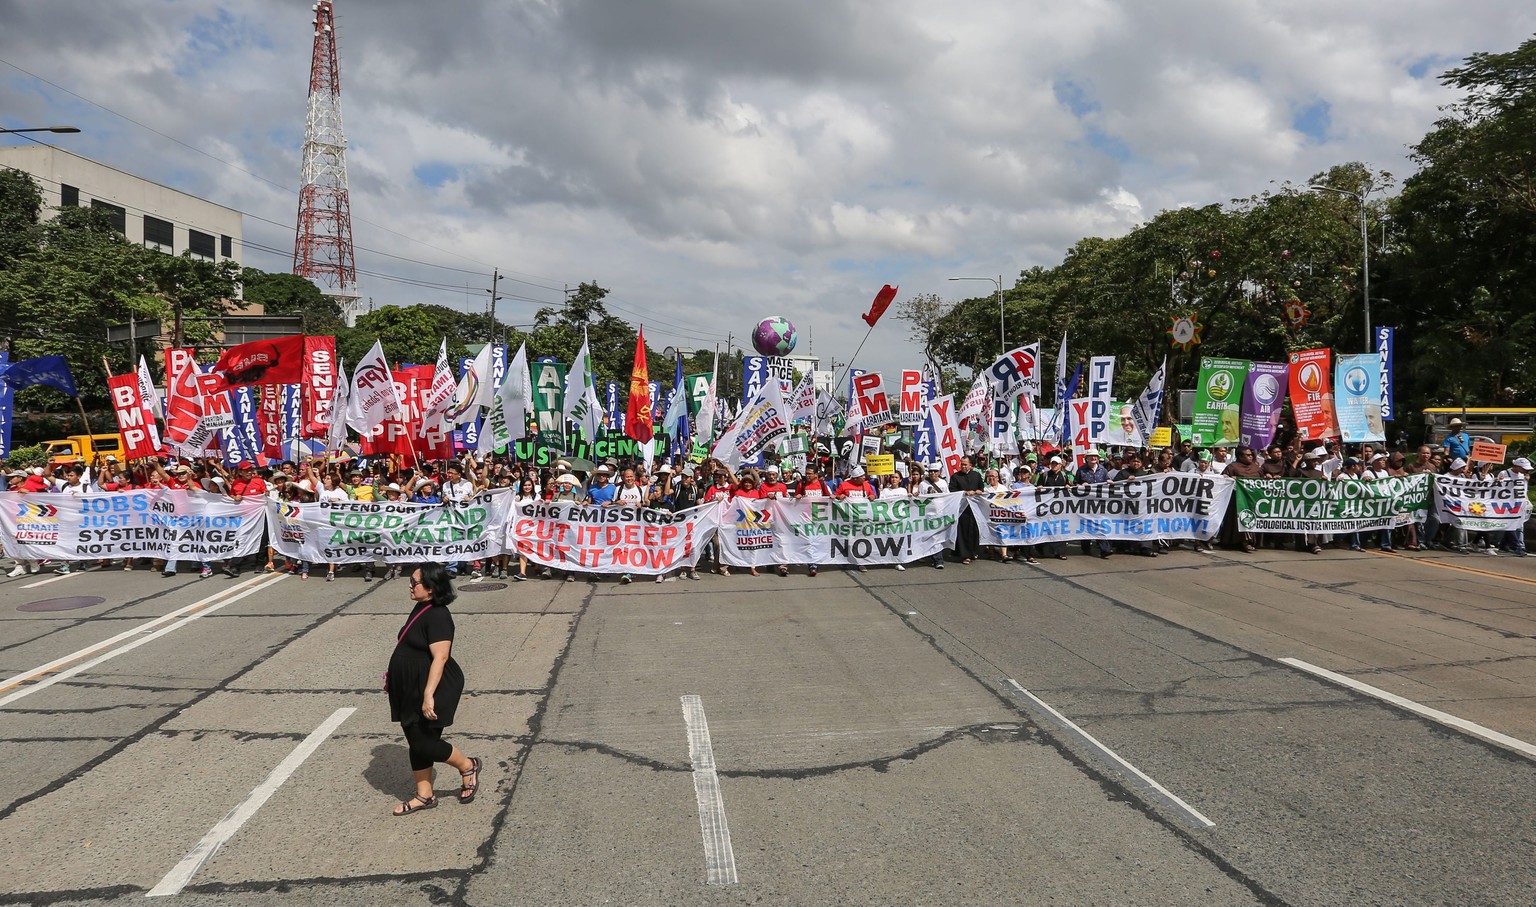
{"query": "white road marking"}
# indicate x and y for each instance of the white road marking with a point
(1142, 781)
(225, 828)
(719, 858)
(53, 579)
(1445, 718)
(146, 633)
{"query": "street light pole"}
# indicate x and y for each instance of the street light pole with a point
(1002, 337)
(61, 130)
(1365, 245)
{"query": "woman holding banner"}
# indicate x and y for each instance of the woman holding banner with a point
(424, 685)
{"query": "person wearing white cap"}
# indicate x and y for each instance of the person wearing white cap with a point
(857, 487)
(1513, 540)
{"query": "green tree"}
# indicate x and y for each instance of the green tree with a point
(290, 294)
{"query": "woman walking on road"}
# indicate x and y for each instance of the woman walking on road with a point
(424, 684)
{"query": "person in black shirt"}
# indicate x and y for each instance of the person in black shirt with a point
(424, 685)
(968, 534)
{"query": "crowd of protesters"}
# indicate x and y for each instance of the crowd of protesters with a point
(678, 485)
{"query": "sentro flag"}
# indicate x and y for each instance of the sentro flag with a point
(128, 405)
(637, 416)
(373, 396)
(52, 371)
(323, 377)
(882, 302)
(276, 361)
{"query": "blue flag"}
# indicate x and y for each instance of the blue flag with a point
(1066, 406)
(50, 370)
(7, 396)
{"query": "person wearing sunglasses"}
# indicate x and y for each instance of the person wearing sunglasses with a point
(425, 684)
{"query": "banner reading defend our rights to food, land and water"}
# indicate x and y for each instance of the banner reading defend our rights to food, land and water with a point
(757, 533)
(351, 532)
(1321, 505)
(156, 523)
(617, 539)
(1167, 506)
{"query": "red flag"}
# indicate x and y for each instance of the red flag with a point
(128, 403)
(881, 303)
(279, 361)
(637, 419)
(319, 386)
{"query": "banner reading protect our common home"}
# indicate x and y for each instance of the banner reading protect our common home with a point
(756, 533)
(1168, 506)
(1323, 505)
(156, 523)
(615, 539)
(352, 532)
(1481, 505)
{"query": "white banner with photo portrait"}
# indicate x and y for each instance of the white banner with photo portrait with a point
(1161, 507)
(827, 531)
(159, 523)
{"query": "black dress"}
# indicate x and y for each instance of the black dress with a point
(412, 662)
(968, 534)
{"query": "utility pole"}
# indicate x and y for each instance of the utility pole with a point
(495, 279)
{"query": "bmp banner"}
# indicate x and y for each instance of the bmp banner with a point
(616, 539)
(158, 523)
(354, 532)
(1480, 505)
(1320, 505)
(758, 533)
(1168, 506)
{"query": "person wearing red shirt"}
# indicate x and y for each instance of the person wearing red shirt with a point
(857, 485)
(247, 484)
(746, 487)
(771, 486)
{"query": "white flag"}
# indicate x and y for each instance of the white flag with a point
(373, 396)
(336, 432)
(803, 402)
(439, 397)
(762, 420)
(581, 404)
(704, 423)
(474, 391)
(1149, 406)
(675, 411)
(516, 396)
(975, 402)
(147, 390)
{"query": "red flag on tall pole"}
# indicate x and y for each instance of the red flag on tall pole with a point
(637, 418)
(881, 303)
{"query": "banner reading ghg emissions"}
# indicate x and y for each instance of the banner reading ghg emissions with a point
(352, 532)
(155, 523)
(1168, 506)
(616, 539)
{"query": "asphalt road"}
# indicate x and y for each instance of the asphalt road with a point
(1085, 732)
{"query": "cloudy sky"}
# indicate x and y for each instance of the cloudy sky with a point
(713, 162)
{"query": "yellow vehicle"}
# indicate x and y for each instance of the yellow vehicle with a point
(1484, 423)
(83, 448)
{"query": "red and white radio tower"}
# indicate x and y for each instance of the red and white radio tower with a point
(322, 249)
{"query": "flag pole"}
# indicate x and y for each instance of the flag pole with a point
(848, 366)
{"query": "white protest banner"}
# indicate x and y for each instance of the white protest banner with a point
(1480, 505)
(819, 531)
(1017, 372)
(1167, 506)
(615, 539)
(159, 523)
(352, 532)
(912, 387)
(870, 406)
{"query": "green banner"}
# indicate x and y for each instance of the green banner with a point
(1218, 401)
(1323, 505)
(549, 401)
(698, 391)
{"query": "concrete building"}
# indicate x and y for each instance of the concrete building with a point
(157, 216)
